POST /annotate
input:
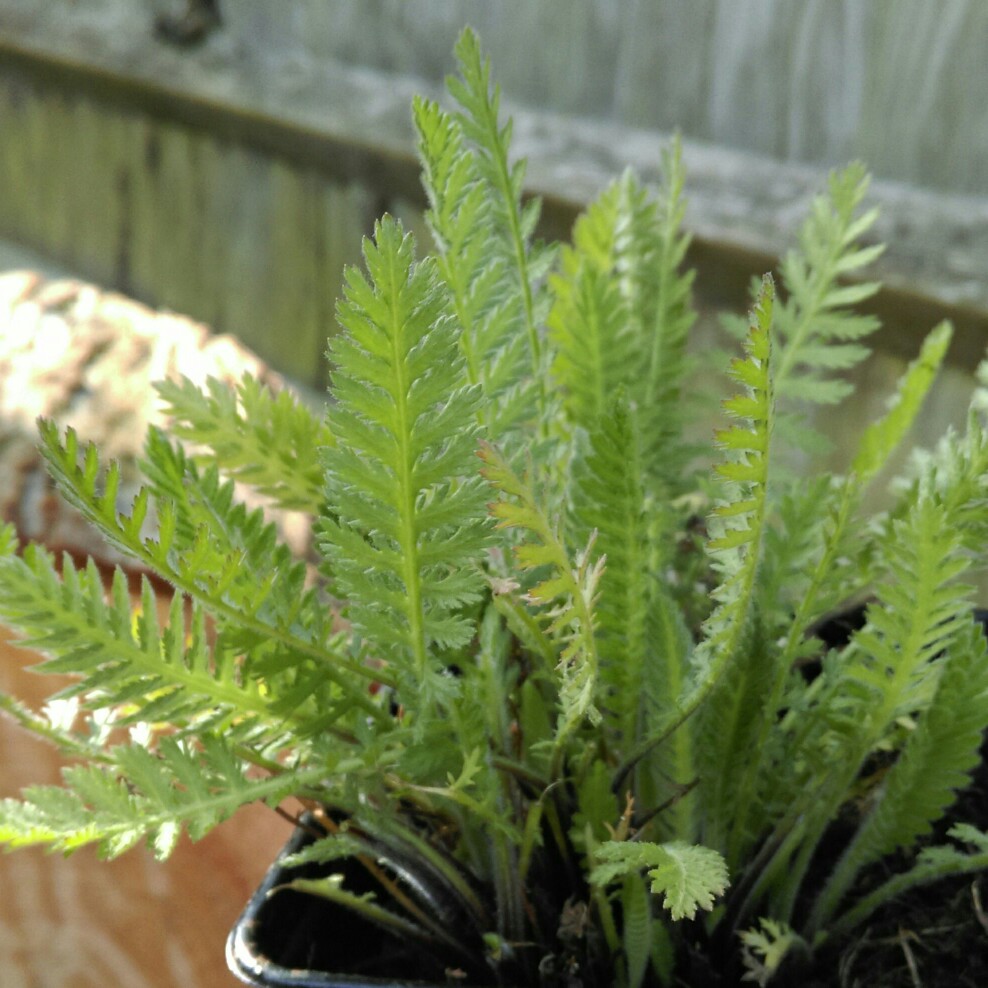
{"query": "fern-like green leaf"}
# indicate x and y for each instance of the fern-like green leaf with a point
(882, 438)
(819, 335)
(920, 610)
(934, 766)
(747, 441)
(269, 441)
(122, 663)
(621, 315)
(593, 351)
(667, 331)
(609, 499)
(143, 794)
(738, 523)
(765, 948)
(961, 480)
(479, 280)
(596, 350)
(514, 218)
(141, 674)
(409, 522)
(643, 647)
(736, 666)
(816, 332)
(811, 569)
(208, 564)
(203, 511)
(813, 589)
(689, 876)
(569, 591)
(738, 528)
(888, 670)
(637, 929)
(957, 473)
(932, 865)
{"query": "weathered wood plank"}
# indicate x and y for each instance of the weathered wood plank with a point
(201, 188)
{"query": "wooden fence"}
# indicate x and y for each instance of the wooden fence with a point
(233, 181)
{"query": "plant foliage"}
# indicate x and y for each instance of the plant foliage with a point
(555, 667)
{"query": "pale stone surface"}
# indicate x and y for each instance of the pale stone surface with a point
(88, 359)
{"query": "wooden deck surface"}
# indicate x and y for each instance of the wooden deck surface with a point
(79, 922)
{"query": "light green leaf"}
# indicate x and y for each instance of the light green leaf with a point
(688, 876)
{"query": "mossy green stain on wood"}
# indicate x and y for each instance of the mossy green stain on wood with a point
(236, 238)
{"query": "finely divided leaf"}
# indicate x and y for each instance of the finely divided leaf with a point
(621, 314)
(269, 441)
(145, 672)
(514, 219)
(932, 865)
(819, 337)
(479, 279)
(567, 590)
(934, 766)
(667, 332)
(219, 554)
(881, 438)
(409, 521)
(143, 794)
(598, 344)
(731, 670)
(817, 333)
(765, 948)
(609, 499)
(891, 670)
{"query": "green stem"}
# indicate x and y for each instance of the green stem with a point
(920, 875)
(325, 889)
(761, 873)
(406, 490)
(391, 828)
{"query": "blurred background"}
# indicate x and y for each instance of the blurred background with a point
(221, 159)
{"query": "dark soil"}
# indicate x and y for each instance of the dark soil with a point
(931, 937)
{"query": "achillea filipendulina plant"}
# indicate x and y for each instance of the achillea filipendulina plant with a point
(523, 663)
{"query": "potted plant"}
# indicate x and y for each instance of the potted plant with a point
(557, 695)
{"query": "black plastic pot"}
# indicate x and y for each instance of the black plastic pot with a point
(293, 940)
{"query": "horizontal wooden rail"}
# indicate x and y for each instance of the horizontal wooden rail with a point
(350, 129)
